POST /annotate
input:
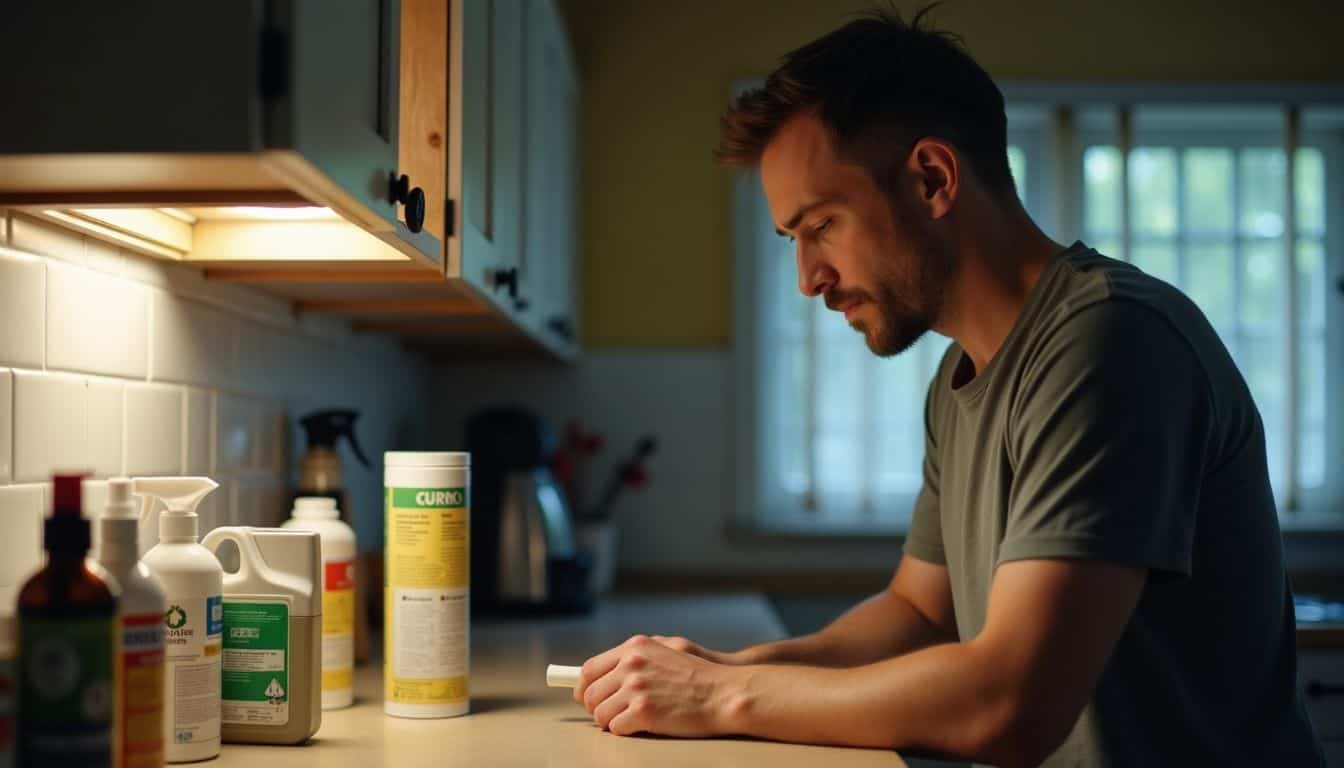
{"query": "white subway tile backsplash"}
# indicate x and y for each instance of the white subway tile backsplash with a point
(261, 501)
(96, 345)
(6, 426)
(49, 425)
(103, 257)
(270, 437)
(198, 432)
(43, 239)
(93, 499)
(96, 323)
(235, 428)
(23, 296)
(153, 430)
(192, 342)
(106, 406)
(21, 546)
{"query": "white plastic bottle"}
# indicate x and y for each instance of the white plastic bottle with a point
(193, 584)
(140, 611)
(319, 513)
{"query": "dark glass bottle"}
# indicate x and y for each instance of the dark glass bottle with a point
(67, 647)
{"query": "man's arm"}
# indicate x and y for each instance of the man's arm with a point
(1007, 697)
(914, 611)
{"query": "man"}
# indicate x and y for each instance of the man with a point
(1093, 574)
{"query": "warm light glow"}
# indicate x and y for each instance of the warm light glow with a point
(179, 214)
(279, 213)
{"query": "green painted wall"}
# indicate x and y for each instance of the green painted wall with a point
(656, 229)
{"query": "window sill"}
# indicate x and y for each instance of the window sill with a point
(818, 532)
(1305, 523)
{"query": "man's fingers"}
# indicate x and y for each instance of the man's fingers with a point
(601, 689)
(610, 708)
(599, 665)
(632, 718)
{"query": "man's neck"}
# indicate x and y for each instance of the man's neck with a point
(1000, 263)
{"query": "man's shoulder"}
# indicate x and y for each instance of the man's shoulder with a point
(1102, 299)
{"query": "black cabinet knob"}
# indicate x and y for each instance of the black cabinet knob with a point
(560, 326)
(412, 198)
(507, 278)
(521, 304)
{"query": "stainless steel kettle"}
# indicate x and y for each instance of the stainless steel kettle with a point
(534, 532)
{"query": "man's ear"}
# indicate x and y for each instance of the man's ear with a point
(937, 171)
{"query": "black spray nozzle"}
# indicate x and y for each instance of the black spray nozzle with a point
(324, 428)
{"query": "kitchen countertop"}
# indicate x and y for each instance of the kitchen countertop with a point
(517, 721)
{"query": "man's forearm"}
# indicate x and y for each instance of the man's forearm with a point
(880, 627)
(946, 699)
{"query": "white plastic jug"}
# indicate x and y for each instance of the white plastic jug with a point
(272, 657)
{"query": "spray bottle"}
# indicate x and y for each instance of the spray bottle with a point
(193, 585)
(67, 647)
(140, 611)
(320, 471)
(272, 635)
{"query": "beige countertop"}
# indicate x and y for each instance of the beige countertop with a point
(517, 721)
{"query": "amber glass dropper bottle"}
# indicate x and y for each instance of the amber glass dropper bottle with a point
(67, 646)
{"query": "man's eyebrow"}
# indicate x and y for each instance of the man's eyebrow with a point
(800, 213)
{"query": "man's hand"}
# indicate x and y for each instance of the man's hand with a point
(686, 646)
(644, 685)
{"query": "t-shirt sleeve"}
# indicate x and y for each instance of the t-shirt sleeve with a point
(1108, 435)
(924, 540)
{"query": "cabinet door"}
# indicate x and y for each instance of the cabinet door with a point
(339, 106)
(485, 161)
(550, 209)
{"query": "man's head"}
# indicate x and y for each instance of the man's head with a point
(866, 138)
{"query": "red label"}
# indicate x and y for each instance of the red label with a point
(340, 574)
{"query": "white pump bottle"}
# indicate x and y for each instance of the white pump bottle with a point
(193, 583)
(140, 608)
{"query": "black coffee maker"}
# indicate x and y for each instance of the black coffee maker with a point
(523, 554)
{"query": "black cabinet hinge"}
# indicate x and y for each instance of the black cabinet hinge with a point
(449, 217)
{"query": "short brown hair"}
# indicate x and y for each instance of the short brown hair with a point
(878, 83)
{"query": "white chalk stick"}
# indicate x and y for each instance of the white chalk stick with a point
(558, 676)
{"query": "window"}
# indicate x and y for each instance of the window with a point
(1196, 195)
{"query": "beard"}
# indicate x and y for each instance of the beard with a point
(909, 297)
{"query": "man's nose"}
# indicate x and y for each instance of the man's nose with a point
(815, 276)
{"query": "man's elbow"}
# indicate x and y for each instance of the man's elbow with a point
(1016, 731)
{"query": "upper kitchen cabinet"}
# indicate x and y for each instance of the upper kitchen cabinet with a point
(485, 159)
(550, 172)
(206, 113)
(513, 117)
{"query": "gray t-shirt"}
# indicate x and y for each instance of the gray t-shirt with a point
(1113, 425)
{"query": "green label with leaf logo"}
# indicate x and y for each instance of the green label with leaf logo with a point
(256, 663)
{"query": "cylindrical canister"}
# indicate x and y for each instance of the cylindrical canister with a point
(425, 598)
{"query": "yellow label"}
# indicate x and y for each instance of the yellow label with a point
(409, 690)
(338, 612)
(337, 679)
(427, 548)
(426, 596)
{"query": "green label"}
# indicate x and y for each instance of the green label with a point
(66, 691)
(428, 498)
(256, 663)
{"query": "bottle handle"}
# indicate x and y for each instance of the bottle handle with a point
(249, 555)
